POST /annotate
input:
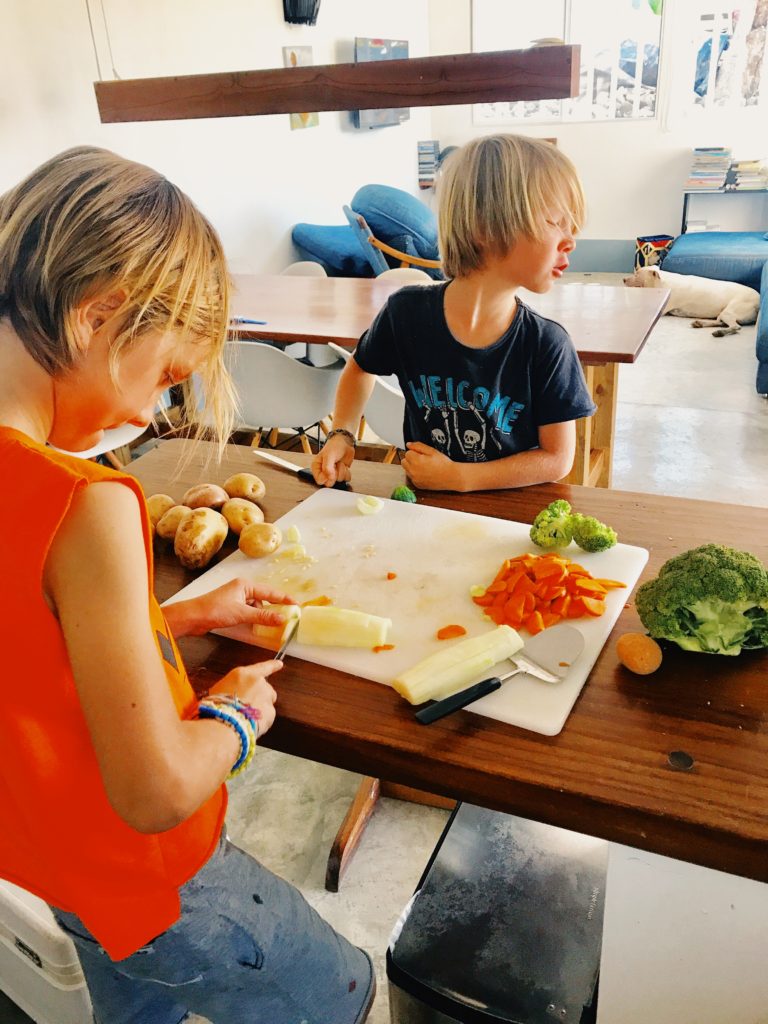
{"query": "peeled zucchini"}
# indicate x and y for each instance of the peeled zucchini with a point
(271, 637)
(452, 669)
(328, 626)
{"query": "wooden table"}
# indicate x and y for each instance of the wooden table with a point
(609, 772)
(609, 325)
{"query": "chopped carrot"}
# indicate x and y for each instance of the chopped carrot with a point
(321, 600)
(450, 632)
(534, 592)
(382, 647)
(391, 575)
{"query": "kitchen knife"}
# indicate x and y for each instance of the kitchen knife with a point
(303, 474)
(284, 645)
(561, 647)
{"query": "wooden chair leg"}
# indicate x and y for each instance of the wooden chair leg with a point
(113, 460)
(361, 429)
(351, 830)
(274, 436)
(256, 439)
(391, 453)
(306, 447)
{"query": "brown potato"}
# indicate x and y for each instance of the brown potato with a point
(158, 505)
(245, 485)
(199, 536)
(168, 524)
(240, 513)
(260, 539)
(205, 496)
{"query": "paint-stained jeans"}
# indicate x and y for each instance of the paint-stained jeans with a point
(247, 949)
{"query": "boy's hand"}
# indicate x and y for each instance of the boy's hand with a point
(250, 684)
(236, 602)
(429, 469)
(332, 463)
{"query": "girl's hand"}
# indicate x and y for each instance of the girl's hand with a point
(332, 463)
(429, 469)
(249, 683)
(236, 602)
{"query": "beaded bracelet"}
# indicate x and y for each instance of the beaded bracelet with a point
(230, 700)
(244, 727)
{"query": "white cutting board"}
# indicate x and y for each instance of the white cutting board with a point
(437, 555)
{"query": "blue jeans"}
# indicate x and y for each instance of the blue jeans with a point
(247, 949)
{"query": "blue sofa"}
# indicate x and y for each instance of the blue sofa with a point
(740, 256)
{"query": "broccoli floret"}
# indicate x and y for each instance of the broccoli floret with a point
(552, 526)
(403, 493)
(592, 535)
(711, 599)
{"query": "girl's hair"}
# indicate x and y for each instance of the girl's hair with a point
(87, 222)
(496, 189)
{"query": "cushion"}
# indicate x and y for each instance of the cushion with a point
(333, 245)
(722, 255)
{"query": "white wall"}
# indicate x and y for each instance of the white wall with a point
(633, 172)
(252, 176)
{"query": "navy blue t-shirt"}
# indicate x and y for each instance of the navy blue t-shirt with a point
(474, 405)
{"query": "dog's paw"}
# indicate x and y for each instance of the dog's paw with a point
(696, 323)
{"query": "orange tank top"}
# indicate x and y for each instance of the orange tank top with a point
(59, 837)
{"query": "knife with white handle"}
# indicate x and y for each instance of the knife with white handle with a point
(562, 647)
(300, 471)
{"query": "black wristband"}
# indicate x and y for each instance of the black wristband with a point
(345, 433)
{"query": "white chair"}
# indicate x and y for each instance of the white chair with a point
(317, 355)
(406, 275)
(112, 441)
(275, 390)
(384, 411)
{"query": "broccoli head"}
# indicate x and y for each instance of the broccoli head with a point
(592, 535)
(403, 493)
(552, 526)
(711, 599)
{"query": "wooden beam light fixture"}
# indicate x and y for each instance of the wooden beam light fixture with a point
(550, 72)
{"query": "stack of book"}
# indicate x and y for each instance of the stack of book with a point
(429, 153)
(746, 175)
(709, 169)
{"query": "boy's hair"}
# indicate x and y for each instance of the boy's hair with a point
(497, 189)
(88, 221)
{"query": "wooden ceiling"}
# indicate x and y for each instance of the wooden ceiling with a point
(550, 72)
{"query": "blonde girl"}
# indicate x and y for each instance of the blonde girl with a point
(113, 287)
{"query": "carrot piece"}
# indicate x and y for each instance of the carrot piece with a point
(514, 579)
(548, 568)
(526, 585)
(560, 605)
(450, 632)
(550, 592)
(498, 586)
(321, 600)
(382, 647)
(576, 608)
(530, 603)
(575, 569)
(391, 575)
(590, 586)
(515, 606)
(549, 619)
(593, 605)
(534, 623)
(611, 584)
(483, 600)
(495, 615)
(499, 599)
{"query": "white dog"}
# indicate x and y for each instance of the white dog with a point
(712, 302)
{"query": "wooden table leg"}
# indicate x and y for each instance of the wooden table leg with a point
(592, 465)
(360, 810)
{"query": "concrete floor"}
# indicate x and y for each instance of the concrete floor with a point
(690, 424)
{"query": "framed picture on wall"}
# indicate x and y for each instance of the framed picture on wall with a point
(380, 49)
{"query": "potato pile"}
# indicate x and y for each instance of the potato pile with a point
(198, 525)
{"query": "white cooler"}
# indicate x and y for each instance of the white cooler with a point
(39, 968)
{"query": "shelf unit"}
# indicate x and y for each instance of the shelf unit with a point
(687, 193)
